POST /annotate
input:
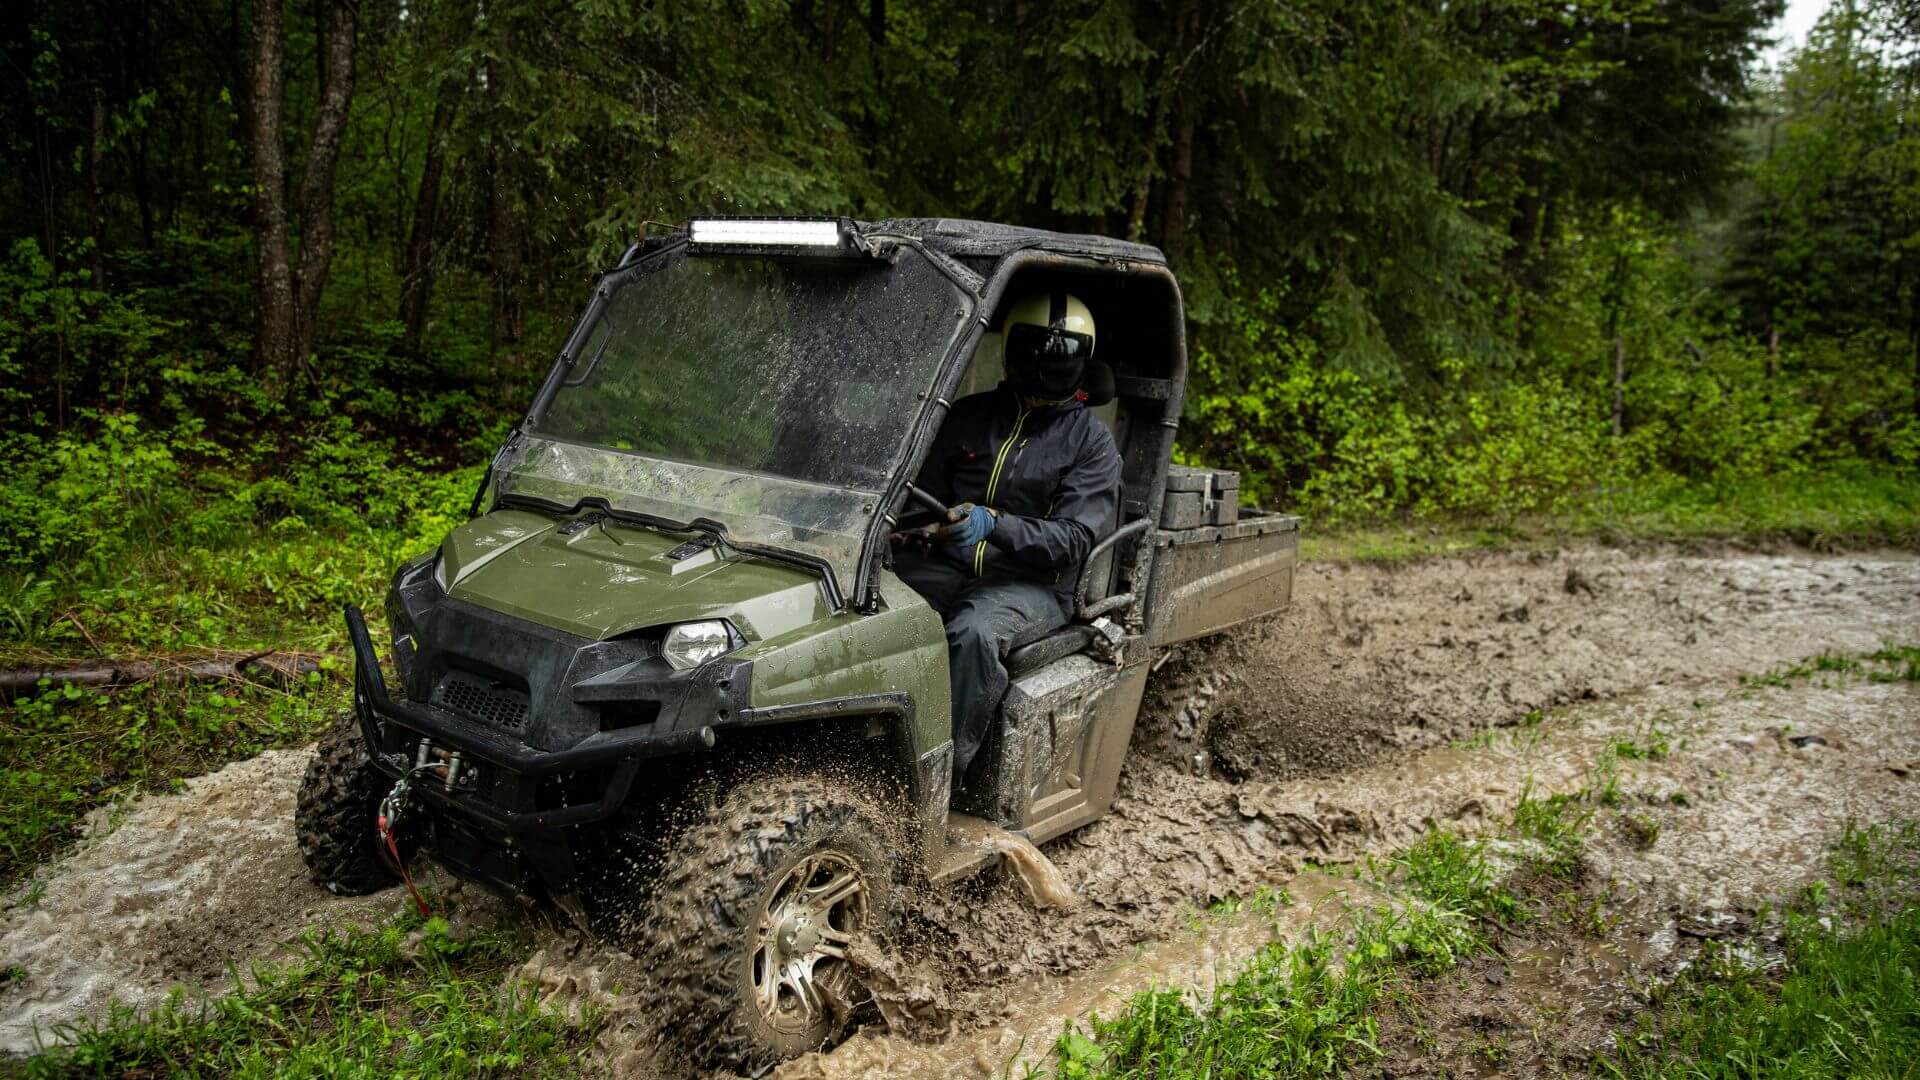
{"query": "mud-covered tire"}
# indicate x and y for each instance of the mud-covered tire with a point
(334, 817)
(697, 934)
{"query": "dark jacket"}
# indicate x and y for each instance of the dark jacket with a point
(1053, 473)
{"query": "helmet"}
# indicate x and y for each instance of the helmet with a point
(1049, 339)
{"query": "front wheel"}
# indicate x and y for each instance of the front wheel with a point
(749, 925)
(334, 817)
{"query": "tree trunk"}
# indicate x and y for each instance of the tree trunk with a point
(503, 246)
(337, 19)
(416, 288)
(1913, 344)
(96, 188)
(1179, 178)
(1619, 386)
(503, 230)
(1169, 102)
(273, 320)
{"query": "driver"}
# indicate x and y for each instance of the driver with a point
(1032, 480)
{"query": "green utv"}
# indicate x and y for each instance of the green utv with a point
(665, 680)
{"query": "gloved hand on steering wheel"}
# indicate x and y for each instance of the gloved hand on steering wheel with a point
(968, 525)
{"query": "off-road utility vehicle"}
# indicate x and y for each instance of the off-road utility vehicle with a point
(664, 679)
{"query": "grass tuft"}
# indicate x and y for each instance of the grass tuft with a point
(407, 998)
(1845, 1002)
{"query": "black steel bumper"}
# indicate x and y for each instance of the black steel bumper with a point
(513, 767)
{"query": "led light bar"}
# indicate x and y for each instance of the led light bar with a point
(767, 232)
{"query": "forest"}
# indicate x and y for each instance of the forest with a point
(1472, 261)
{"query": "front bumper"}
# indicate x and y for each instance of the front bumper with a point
(495, 818)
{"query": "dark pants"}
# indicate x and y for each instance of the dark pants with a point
(986, 618)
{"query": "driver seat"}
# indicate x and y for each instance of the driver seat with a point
(1099, 385)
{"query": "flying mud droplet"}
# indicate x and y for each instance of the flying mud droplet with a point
(1042, 880)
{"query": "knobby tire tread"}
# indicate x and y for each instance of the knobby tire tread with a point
(334, 817)
(698, 928)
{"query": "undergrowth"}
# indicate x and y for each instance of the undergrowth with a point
(405, 999)
(1309, 1009)
(1841, 999)
(1837, 509)
(68, 751)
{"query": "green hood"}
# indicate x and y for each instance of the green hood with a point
(608, 579)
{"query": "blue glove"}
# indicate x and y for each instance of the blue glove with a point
(972, 529)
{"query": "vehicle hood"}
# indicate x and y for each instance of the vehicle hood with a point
(606, 579)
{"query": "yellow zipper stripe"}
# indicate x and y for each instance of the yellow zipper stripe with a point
(993, 485)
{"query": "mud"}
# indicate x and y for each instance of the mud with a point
(1371, 662)
(1743, 813)
(1039, 879)
(1372, 658)
(184, 887)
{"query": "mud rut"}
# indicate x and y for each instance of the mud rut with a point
(1322, 734)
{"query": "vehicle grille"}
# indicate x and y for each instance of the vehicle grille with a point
(482, 699)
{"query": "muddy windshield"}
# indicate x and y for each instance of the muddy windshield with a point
(774, 395)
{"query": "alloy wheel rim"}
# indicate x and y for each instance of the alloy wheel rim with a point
(800, 969)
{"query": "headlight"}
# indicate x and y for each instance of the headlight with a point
(691, 644)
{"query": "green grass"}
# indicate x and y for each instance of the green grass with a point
(1528, 733)
(67, 751)
(1452, 872)
(1308, 1009)
(1295, 1011)
(1893, 663)
(1902, 664)
(360, 1003)
(1651, 744)
(1839, 508)
(1844, 507)
(1557, 827)
(1846, 1004)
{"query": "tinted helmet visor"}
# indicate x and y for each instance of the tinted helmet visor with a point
(1046, 360)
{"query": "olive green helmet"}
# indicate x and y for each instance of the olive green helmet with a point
(1049, 339)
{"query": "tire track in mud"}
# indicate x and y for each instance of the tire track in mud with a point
(1371, 661)
(1755, 813)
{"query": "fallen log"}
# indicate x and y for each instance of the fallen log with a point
(272, 666)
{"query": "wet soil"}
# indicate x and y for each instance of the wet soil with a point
(1376, 658)
(1327, 733)
(1742, 813)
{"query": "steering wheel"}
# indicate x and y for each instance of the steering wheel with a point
(932, 511)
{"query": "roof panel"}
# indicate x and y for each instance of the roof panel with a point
(963, 238)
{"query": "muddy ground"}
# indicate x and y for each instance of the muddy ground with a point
(1319, 735)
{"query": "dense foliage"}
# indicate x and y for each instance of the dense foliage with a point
(1485, 258)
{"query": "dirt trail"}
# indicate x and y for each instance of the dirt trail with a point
(1372, 660)
(1758, 813)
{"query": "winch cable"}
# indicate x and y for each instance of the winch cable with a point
(388, 821)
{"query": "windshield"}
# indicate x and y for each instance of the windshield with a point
(774, 395)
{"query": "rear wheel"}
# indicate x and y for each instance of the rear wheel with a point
(334, 817)
(750, 923)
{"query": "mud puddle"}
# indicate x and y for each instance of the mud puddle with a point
(1373, 666)
(1373, 659)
